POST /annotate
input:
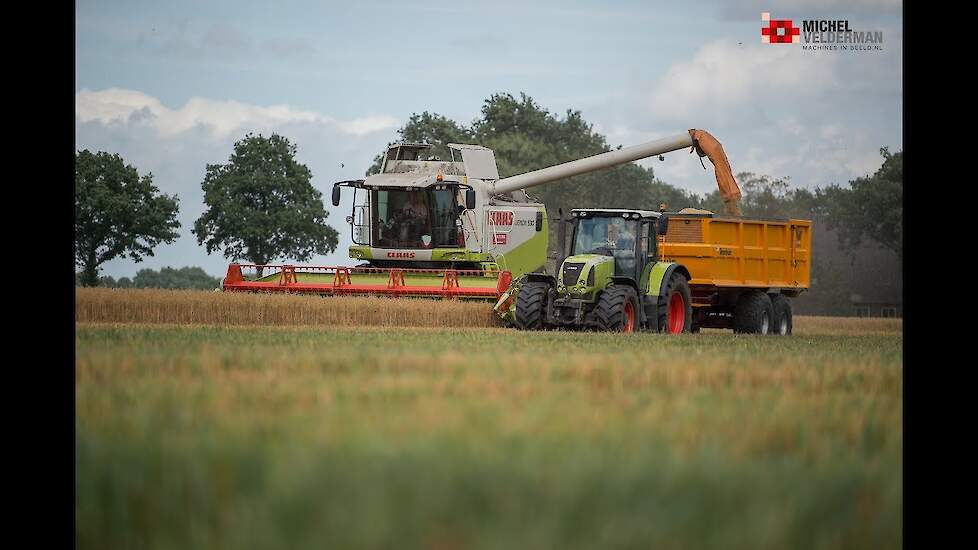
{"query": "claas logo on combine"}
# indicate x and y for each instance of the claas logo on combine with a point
(500, 217)
(400, 254)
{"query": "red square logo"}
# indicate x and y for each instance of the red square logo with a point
(778, 31)
(499, 238)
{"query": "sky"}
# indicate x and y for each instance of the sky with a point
(170, 86)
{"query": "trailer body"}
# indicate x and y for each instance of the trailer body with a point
(727, 256)
(724, 252)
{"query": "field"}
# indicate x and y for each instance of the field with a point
(264, 429)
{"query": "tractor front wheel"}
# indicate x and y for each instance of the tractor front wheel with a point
(531, 306)
(675, 306)
(617, 309)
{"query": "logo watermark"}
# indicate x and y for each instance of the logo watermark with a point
(819, 34)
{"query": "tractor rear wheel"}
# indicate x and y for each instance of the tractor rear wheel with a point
(531, 306)
(617, 309)
(753, 313)
(781, 308)
(675, 306)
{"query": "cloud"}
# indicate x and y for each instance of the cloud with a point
(814, 117)
(722, 77)
(220, 118)
(368, 124)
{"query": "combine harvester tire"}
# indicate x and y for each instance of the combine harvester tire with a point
(531, 306)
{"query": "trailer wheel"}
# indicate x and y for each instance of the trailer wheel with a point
(617, 309)
(753, 314)
(531, 304)
(781, 307)
(675, 306)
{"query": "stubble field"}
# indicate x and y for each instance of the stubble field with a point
(297, 422)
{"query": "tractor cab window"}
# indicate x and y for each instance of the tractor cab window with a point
(609, 236)
(415, 219)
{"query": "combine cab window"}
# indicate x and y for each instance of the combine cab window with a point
(609, 236)
(415, 219)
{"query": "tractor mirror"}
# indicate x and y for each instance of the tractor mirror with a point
(663, 225)
(336, 195)
(470, 199)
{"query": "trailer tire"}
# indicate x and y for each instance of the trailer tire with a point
(617, 309)
(753, 313)
(781, 306)
(531, 305)
(675, 300)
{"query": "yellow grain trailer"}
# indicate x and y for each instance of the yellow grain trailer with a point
(729, 257)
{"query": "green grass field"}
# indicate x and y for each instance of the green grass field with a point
(311, 437)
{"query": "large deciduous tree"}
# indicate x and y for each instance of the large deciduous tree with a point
(871, 207)
(261, 205)
(117, 213)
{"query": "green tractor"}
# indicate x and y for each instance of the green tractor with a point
(612, 279)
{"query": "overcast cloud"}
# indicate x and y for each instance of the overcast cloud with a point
(172, 86)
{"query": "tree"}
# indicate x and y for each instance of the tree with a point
(767, 197)
(117, 213)
(871, 207)
(261, 205)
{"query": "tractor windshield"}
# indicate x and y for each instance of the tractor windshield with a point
(608, 236)
(416, 219)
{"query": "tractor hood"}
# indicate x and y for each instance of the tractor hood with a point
(584, 273)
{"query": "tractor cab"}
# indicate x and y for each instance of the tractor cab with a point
(627, 236)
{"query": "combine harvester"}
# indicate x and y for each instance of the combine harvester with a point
(454, 229)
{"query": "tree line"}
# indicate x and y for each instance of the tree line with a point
(167, 277)
(261, 205)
